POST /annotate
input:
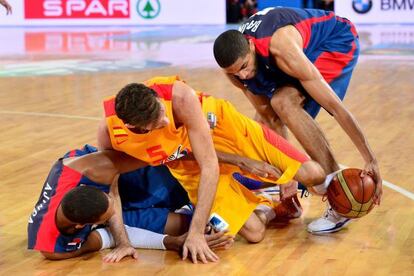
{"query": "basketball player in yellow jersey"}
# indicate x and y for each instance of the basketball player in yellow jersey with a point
(165, 119)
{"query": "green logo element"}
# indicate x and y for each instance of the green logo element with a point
(148, 9)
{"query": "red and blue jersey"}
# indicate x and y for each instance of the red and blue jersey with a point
(43, 234)
(330, 42)
(148, 195)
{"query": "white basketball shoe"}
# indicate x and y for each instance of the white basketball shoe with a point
(330, 222)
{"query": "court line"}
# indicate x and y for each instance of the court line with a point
(49, 115)
(398, 189)
(390, 185)
(394, 187)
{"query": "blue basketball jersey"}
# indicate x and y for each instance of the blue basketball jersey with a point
(43, 234)
(147, 195)
(321, 32)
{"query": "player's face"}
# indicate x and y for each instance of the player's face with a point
(245, 67)
(160, 122)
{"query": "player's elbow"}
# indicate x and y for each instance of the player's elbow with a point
(52, 256)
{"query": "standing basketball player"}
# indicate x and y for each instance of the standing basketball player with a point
(165, 119)
(7, 6)
(289, 63)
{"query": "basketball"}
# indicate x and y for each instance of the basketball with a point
(351, 195)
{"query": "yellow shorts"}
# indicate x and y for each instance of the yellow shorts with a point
(233, 202)
(235, 133)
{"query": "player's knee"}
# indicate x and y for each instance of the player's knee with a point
(285, 100)
(254, 233)
(312, 173)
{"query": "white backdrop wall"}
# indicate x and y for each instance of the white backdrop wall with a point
(113, 12)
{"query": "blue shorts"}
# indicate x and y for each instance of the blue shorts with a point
(152, 219)
(148, 195)
(335, 59)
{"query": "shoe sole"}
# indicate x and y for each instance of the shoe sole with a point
(331, 230)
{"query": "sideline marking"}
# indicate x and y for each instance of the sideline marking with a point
(49, 115)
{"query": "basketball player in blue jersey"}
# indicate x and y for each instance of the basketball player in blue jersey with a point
(82, 191)
(289, 63)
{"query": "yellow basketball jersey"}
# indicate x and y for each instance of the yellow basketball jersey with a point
(157, 146)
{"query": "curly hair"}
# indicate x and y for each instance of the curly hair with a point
(137, 105)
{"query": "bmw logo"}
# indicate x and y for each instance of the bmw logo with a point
(362, 6)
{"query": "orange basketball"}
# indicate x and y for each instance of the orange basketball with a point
(351, 195)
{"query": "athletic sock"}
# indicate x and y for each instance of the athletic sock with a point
(139, 238)
(321, 189)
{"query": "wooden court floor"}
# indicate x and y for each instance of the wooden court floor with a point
(43, 117)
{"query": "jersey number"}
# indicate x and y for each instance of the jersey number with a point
(156, 151)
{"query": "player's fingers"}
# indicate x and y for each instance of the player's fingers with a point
(222, 245)
(212, 237)
(229, 244)
(185, 252)
(108, 257)
(259, 172)
(113, 258)
(119, 257)
(193, 255)
(211, 255)
(135, 255)
(215, 236)
(202, 257)
(220, 240)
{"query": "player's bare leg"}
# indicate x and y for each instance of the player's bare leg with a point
(288, 104)
(254, 228)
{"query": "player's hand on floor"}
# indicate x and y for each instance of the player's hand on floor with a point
(219, 240)
(258, 168)
(7, 6)
(196, 248)
(372, 170)
(119, 252)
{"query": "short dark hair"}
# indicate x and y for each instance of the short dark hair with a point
(137, 104)
(229, 46)
(84, 204)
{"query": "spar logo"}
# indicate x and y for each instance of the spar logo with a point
(362, 6)
(85, 9)
(148, 9)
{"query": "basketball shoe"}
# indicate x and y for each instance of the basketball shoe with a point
(289, 208)
(330, 222)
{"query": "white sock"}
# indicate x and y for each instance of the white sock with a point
(106, 238)
(139, 238)
(268, 211)
(321, 189)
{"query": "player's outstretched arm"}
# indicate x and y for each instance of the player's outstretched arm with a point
(103, 166)
(123, 248)
(286, 47)
(187, 109)
(6, 5)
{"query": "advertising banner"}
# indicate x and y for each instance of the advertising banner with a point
(376, 11)
(113, 12)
